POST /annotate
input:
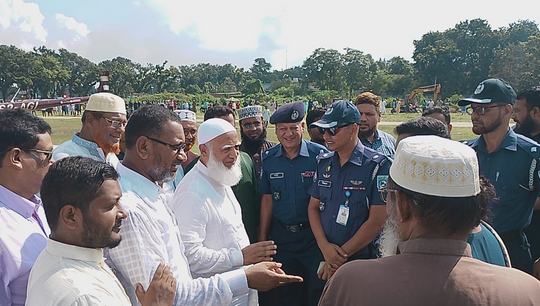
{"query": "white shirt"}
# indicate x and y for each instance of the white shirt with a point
(70, 275)
(211, 227)
(150, 235)
(81, 147)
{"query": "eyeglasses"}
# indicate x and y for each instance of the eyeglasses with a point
(48, 154)
(248, 126)
(176, 148)
(190, 132)
(115, 124)
(333, 130)
(384, 193)
(480, 110)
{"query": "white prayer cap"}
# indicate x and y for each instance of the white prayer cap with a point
(213, 128)
(436, 166)
(107, 103)
(186, 115)
(249, 112)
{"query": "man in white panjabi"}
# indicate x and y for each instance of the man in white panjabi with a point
(209, 215)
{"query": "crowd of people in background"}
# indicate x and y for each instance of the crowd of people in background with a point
(127, 212)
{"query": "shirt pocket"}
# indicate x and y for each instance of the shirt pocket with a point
(509, 194)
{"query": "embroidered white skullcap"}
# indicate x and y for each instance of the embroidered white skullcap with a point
(213, 128)
(186, 115)
(107, 103)
(249, 112)
(436, 166)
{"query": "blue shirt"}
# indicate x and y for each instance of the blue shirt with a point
(512, 169)
(288, 181)
(383, 143)
(486, 247)
(361, 177)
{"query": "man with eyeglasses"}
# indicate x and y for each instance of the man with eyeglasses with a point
(430, 214)
(346, 211)
(25, 157)
(150, 234)
(253, 134)
(188, 119)
(287, 173)
(509, 161)
(103, 123)
(369, 106)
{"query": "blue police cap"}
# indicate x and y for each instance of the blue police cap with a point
(491, 90)
(289, 113)
(340, 112)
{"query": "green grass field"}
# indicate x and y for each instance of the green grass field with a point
(64, 127)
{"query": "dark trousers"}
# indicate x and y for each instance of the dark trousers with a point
(533, 235)
(318, 284)
(519, 250)
(297, 252)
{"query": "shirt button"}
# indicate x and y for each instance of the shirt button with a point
(333, 217)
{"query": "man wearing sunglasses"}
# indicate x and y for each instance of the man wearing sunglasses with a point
(346, 211)
(25, 157)
(103, 123)
(509, 161)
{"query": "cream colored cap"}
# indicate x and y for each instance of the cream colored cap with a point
(436, 166)
(107, 103)
(213, 128)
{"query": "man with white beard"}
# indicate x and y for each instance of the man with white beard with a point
(208, 213)
(434, 196)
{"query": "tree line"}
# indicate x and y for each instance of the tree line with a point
(458, 58)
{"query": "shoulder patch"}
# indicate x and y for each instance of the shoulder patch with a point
(273, 150)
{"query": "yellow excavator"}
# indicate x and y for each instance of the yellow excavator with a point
(436, 88)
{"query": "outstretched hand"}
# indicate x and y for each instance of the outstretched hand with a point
(268, 275)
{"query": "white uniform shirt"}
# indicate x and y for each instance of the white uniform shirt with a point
(81, 147)
(71, 275)
(150, 235)
(210, 221)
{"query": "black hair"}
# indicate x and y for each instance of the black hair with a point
(531, 96)
(148, 120)
(314, 113)
(438, 110)
(423, 126)
(20, 129)
(73, 181)
(450, 214)
(218, 111)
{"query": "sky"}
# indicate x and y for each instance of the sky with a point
(284, 32)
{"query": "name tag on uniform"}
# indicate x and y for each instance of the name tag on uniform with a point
(326, 184)
(277, 175)
(343, 215)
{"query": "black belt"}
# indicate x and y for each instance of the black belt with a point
(512, 236)
(297, 228)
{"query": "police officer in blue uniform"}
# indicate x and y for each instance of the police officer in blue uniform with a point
(509, 161)
(287, 173)
(346, 211)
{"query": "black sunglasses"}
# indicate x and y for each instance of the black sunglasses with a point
(333, 130)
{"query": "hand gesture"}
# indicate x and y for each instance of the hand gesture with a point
(268, 275)
(260, 251)
(161, 290)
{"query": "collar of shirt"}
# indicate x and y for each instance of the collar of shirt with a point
(89, 145)
(145, 187)
(74, 252)
(356, 156)
(22, 206)
(435, 246)
(509, 142)
(303, 150)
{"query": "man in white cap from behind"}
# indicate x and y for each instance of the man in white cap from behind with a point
(435, 196)
(209, 215)
(103, 123)
(189, 123)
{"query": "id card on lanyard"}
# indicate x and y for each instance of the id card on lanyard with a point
(343, 213)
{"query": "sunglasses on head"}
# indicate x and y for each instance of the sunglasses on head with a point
(333, 130)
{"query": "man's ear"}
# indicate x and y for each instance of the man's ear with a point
(403, 205)
(142, 147)
(13, 157)
(70, 217)
(535, 112)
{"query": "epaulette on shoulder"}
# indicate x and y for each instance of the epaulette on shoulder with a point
(270, 152)
(528, 145)
(325, 155)
(315, 148)
(375, 156)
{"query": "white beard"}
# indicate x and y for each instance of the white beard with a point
(222, 174)
(391, 235)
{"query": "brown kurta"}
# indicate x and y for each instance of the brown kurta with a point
(257, 158)
(430, 272)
